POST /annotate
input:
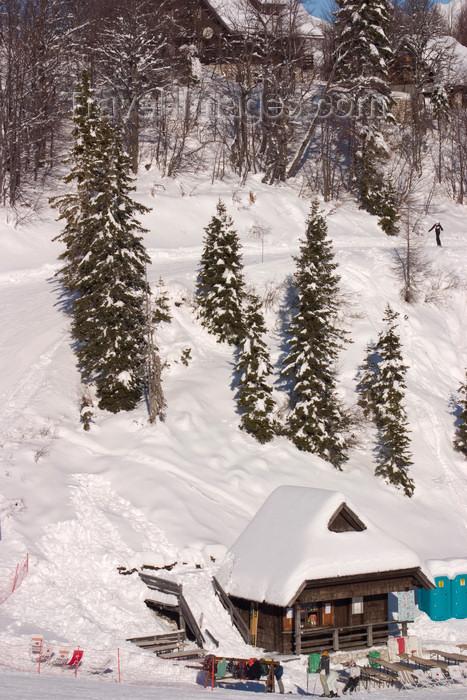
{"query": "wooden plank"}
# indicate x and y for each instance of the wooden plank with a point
(429, 663)
(453, 656)
(236, 617)
(167, 606)
(160, 584)
(159, 643)
(212, 638)
(190, 620)
(297, 629)
(165, 647)
(177, 634)
(389, 665)
(186, 654)
(378, 677)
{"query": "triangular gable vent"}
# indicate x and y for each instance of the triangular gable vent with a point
(345, 520)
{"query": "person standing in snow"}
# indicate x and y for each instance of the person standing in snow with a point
(438, 228)
(278, 673)
(327, 677)
(353, 671)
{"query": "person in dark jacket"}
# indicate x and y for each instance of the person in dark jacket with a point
(438, 228)
(323, 670)
(253, 670)
(278, 673)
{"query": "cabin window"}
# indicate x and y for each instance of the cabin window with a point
(316, 615)
(310, 615)
(357, 605)
(288, 620)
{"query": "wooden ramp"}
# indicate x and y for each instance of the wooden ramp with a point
(181, 607)
(237, 620)
(160, 643)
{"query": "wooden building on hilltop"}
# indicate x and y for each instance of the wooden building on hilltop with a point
(221, 30)
(309, 574)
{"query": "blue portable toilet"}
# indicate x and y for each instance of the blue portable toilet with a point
(437, 603)
(459, 596)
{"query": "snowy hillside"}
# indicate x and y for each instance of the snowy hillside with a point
(129, 494)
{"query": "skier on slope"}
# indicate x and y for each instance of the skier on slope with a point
(438, 228)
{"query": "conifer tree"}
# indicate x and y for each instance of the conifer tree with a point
(361, 74)
(316, 422)
(105, 260)
(77, 207)
(161, 305)
(254, 397)
(220, 284)
(367, 380)
(460, 441)
(381, 396)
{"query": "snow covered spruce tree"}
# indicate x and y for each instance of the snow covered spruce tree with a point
(381, 395)
(220, 284)
(254, 396)
(105, 260)
(366, 383)
(460, 441)
(361, 79)
(316, 421)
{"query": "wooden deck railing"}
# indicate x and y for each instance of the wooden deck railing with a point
(336, 638)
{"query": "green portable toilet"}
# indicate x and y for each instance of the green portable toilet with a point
(459, 596)
(437, 603)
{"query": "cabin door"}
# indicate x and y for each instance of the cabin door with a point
(328, 614)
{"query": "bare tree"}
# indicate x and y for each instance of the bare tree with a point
(460, 25)
(410, 262)
(268, 65)
(37, 40)
(417, 34)
(456, 155)
(131, 62)
(153, 366)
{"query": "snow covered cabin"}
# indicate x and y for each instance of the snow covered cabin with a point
(307, 574)
(220, 29)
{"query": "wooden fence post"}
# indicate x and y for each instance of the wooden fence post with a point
(297, 629)
(16, 576)
(335, 639)
(40, 654)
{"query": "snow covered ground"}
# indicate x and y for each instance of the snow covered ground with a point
(129, 494)
(15, 687)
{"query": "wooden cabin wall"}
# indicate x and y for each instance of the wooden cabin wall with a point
(375, 608)
(243, 608)
(353, 589)
(270, 623)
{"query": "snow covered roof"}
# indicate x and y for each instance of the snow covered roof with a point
(242, 16)
(289, 541)
(447, 567)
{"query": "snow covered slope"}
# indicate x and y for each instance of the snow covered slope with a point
(131, 494)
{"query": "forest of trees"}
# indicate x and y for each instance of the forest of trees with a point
(267, 102)
(126, 84)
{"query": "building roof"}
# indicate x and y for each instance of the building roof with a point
(241, 16)
(289, 541)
